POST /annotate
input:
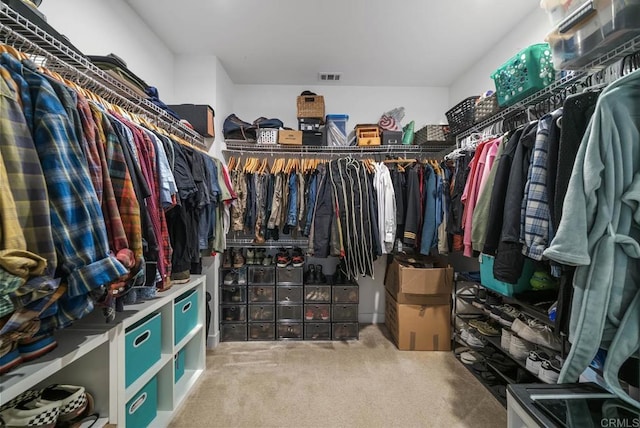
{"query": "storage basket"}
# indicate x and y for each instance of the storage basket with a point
(267, 136)
(431, 133)
(486, 108)
(460, 117)
(311, 106)
(524, 74)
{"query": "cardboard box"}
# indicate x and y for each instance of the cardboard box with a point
(420, 327)
(290, 137)
(409, 284)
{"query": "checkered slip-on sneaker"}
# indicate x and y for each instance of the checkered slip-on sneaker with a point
(75, 402)
(36, 347)
(25, 396)
(9, 357)
(31, 412)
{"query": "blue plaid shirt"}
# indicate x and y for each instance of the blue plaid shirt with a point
(535, 230)
(79, 231)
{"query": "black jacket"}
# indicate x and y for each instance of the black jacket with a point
(509, 258)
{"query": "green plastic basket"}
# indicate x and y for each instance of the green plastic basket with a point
(527, 72)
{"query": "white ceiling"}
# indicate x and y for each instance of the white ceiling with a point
(373, 42)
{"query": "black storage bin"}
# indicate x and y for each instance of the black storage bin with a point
(344, 312)
(289, 331)
(309, 124)
(289, 294)
(262, 293)
(262, 275)
(262, 331)
(391, 138)
(289, 312)
(317, 293)
(317, 312)
(289, 275)
(200, 116)
(233, 313)
(262, 313)
(313, 138)
(233, 332)
(345, 294)
(345, 330)
(233, 294)
(317, 331)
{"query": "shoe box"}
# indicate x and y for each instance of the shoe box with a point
(420, 327)
(413, 281)
(262, 331)
(233, 332)
(262, 294)
(317, 331)
(289, 331)
(345, 330)
(262, 275)
(289, 275)
(317, 312)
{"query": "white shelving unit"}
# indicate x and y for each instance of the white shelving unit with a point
(92, 354)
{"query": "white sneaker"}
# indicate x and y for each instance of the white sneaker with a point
(534, 361)
(536, 332)
(474, 340)
(464, 334)
(519, 349)
(550, 371)
(505, 339)
(509, 314)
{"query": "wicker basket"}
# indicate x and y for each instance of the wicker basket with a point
(267, 136)
(311, 106)
(460, 117)
(431, 133)
(485, 108)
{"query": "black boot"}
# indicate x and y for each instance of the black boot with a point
(310, 277)
(320, 278)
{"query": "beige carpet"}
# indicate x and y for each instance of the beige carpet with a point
(366, 383)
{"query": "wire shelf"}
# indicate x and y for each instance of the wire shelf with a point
(25, 36)
(280, 243)
(247, 147)
(555, 88)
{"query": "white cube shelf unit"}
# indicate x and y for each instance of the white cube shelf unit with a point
(94, 354)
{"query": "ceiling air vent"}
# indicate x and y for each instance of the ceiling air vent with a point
(329, 77)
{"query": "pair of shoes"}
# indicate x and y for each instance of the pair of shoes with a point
(236, 277)
(536, 332)
(297, 257)
(282, 258)
(491, 302)
(340, 276)
(504, 314)
(545, 367)
(505, 339)
(472, 338)
(267, 260)
(317, 314)
(485, 328)
(480, 299)
(318, 295)
(238, 258)
(519, 348)
(56, 405)
(256, 256)
(314, 275)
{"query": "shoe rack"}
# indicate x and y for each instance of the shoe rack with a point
(504, 369)
(269, 302)
(170, 330)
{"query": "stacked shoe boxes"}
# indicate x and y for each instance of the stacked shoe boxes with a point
(317, 309)
(344, 310)
(418, 303)
(262, 297)
(233, 304)
(289, 303)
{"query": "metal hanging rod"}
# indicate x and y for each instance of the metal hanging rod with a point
(25, 36)
(247, 147)
(571, 78)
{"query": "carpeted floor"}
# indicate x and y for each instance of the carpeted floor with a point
(366, 383)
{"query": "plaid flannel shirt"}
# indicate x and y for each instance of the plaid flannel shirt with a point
(77, 223)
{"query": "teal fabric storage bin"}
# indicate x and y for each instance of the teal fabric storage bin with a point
(488, 280)
(179, 361)
(185, 315)
(143, 345)
(142, 409)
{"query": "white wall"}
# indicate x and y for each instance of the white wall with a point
(477, 79)
(99, 27)
(225, 94)
(363, 104)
